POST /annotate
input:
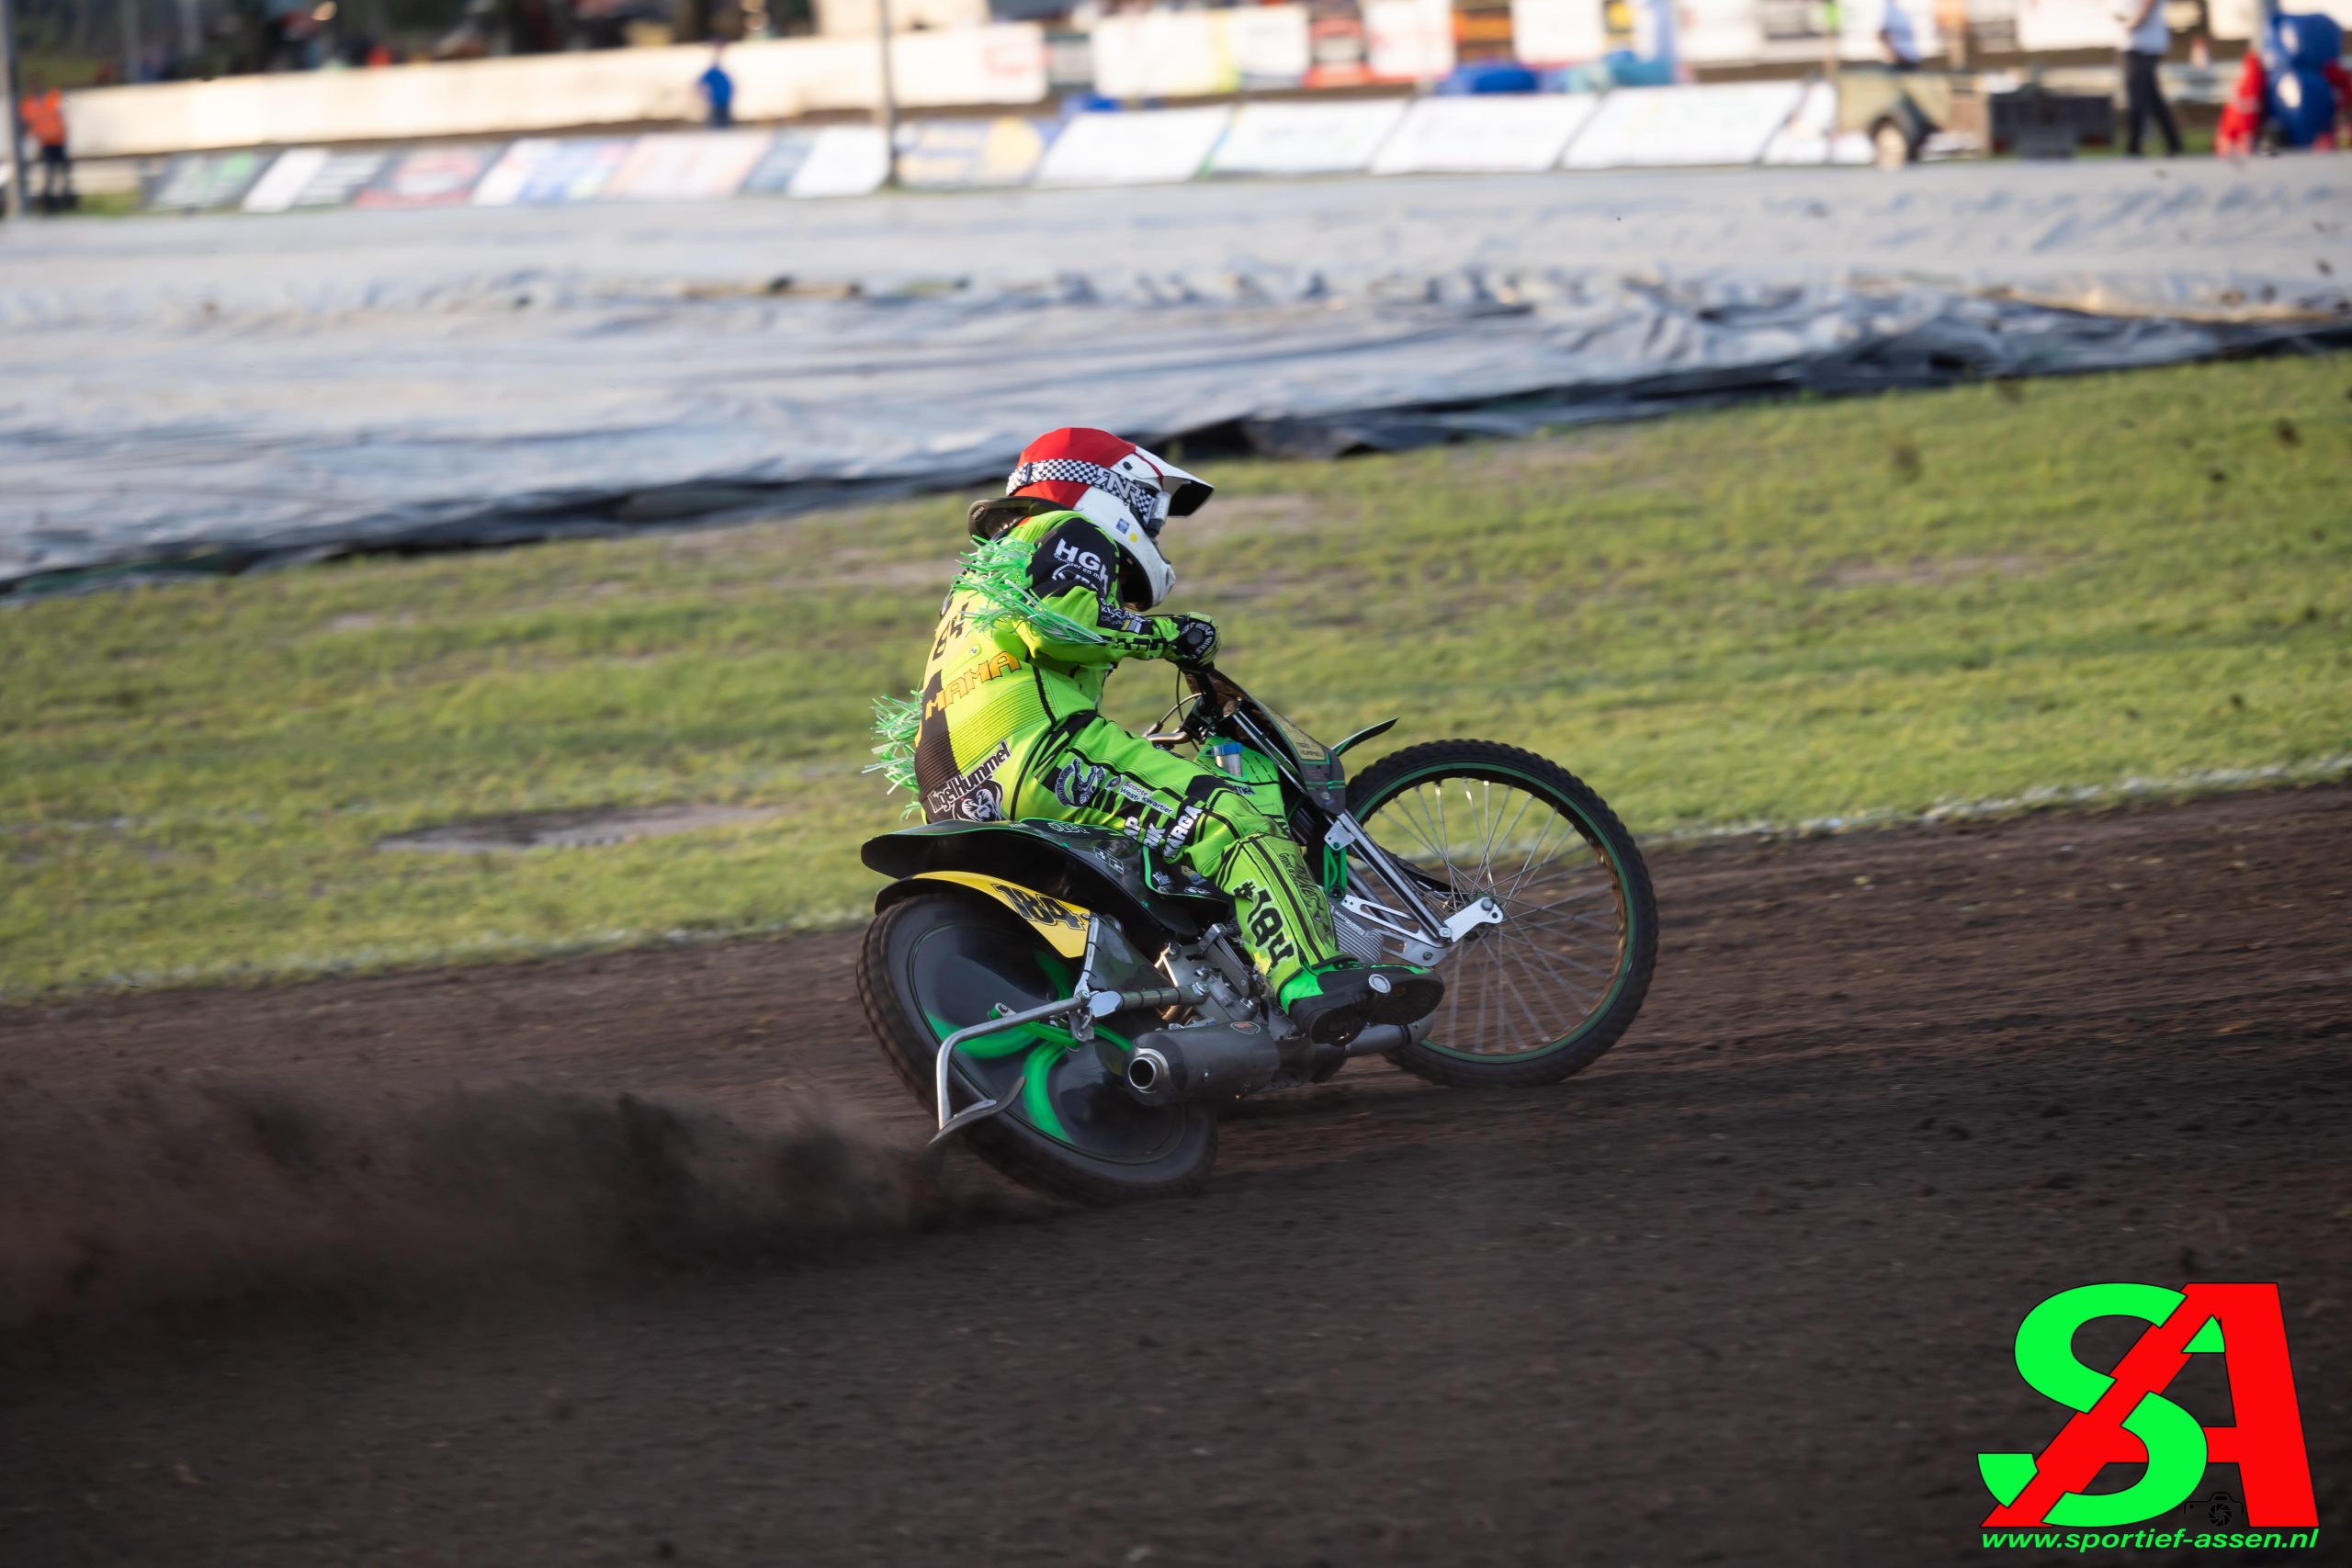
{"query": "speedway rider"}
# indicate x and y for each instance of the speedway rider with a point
(1005, 726)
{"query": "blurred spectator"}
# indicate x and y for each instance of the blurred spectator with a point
(2146, 38)
(1653, 34)
(43, 115)
(718, 88)
(287, 28)
(1899, 35)
(2292, 91)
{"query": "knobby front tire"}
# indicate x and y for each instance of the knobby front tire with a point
(1547, 992)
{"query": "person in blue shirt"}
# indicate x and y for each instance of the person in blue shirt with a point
(718, 89)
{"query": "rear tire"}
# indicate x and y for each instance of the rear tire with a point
(1613, 852)
(931, 964)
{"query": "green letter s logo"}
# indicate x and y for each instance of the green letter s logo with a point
(2172, 1441)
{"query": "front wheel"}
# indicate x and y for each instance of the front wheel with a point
(1545, 992)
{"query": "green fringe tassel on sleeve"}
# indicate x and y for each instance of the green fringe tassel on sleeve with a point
(997, 573)
(895, 719)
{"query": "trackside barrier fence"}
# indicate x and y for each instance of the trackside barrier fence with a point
(1730, 124)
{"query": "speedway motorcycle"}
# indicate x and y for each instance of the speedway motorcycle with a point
(1079, 1009)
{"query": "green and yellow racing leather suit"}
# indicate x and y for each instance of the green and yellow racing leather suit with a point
(1005, 726)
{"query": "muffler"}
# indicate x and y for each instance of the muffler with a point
(1201, 1061)
(1383, 1037)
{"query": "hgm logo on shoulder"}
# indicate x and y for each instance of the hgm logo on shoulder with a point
(2124, 1418)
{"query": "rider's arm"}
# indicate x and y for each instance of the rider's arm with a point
(1073, 577)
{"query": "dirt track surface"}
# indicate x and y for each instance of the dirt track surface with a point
(1745, 1291)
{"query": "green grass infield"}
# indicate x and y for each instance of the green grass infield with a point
(1769, 615)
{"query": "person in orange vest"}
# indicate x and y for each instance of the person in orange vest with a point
(44, 119)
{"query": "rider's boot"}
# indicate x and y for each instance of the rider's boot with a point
(1333, 1004)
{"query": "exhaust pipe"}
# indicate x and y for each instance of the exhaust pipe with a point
(1218, 1061)
(1208, 1061)
(1383, 1037)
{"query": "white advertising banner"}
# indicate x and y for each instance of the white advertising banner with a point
(1408, 41)
(279, 185)
(1001, 64)
(1728, 123)
(1720, 32)
(1268, 44)
(687, 166)
(544, 171)
(2236, 19)
(2241, 19)
(1503, 133)
(843, 160)
(1004, 64)
(432, 176)
(972, 154)
(1145, 147)
(1558, 32)
(1306, 139)
(1159, 54)
(2044, 25)
(1812, 136)
(1197, 54)
(313, 176)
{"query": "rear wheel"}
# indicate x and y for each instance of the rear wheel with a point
(935, 963)
(1544, 994)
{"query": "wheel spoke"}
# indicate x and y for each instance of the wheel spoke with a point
(1531, 956)
(1406, 816)
(1542, 836)
(1561, 958)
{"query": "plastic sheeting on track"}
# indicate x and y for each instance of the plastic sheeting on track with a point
(344, 380)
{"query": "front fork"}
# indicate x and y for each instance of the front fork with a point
(1420, 935)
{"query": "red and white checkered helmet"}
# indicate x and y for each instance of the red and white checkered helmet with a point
(1122, 489)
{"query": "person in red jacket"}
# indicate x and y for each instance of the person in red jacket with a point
(44, 120)
(2293, 84)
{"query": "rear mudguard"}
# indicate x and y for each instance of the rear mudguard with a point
(1062, 863)
(1062, 925)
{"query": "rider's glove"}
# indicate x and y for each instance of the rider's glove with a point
(1191, 641)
